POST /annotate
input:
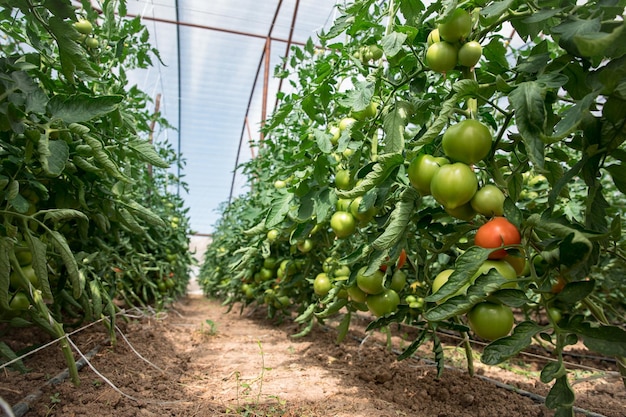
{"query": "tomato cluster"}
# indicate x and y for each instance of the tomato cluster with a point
(448, 46)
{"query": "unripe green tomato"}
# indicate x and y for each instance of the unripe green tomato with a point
(489, 201)
(369, 112)
(322, 284)
(370, 284)
(356, 294)
(398, 280)
(376, 52)
(490, 321)
(305, 246)
(346, 123)
(92, 42)
(464, 212)
(83, 26)
(454, 185)
(335, 134)
(469, 54)
(29, 273)
(343, 224)
(19, 302)
(441, 56)
(421, 171)
(343, 204)
(468, 141)
(362, 216)
(272, 235)
(383, 303)
(343, 179)
(456, 27)
(433, 37)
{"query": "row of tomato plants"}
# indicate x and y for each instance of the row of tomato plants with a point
(87, 199)
(432, 169)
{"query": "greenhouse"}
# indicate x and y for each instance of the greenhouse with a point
(312, 208)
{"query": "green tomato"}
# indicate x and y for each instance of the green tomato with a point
(343, 224)
(433, 37)
(92, 42)
(272, 235)
(24, 255)
(343, 179)
(342, 271)
(29, 273)
(464, 212)
(490, 321)
(383, 303)
(362, 216)
(376, 52)
(343, 204)
(469, 54)
(370, 111)
(270, 263)
(19, 301)
(456, 27)
(305, 246)
(468, 141)
(335, 134)
(278, 184)
(370, 284)
(454, 185)
(421, 171)
(488, 201)
(357, 294)
(398, 280)
(322, 284)
(346, 123)
(83, 26)
(441, 56)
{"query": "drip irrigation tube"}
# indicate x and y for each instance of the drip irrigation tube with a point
(22, 407)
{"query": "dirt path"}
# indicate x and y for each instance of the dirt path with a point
(213, 363)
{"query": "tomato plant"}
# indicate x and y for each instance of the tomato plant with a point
(383, 303)
(533, 139)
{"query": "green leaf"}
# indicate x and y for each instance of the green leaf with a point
(447, 108)
(101, 156)
(142, 212)
(576, 291)
(561, 394)
(574, 28)
(393, 126)
(605, 340)
(70, 262)
(382, 169)
(7, 353)
(279, 209)
(40, 263)
(344, 326)
(5, 272)
(399, 220)
(551, 371)
(53, 156)
(323, 140)
(412, 348)
(81, 107)
(596, 44)
(72, 55)
(502, 349)
(61, 8)
(392, 43)
(530, 114)
(511, 297)
(57, 215)
(572, 116)
(360, 97)
(496, 9)
(465, 268)
(146, 152)
(324, 205)
(618, 173)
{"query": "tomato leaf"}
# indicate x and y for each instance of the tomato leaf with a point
(40, 265)
(68, 259)
(606, 340)
(399, 220)
(344, 326)
(145, 151)
(81, 107)
(392, 43)
(576, 291)
(551, 371)
(511, 297)
(360, 97)
(323, 140)
(500, 350)
(142, 212)
(5, 271)
(447, 108)
(496, 9)
(465, 267)
(53, 155)
(7, 353)
(279, 209)
(618, 173)
(571, 117)
(394, 123)
(380, 171)
(561, 394)
(415, 344)
(528, 102)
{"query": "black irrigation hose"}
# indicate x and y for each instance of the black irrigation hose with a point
(22, 407)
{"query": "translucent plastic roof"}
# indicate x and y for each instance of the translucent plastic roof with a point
(213, 80)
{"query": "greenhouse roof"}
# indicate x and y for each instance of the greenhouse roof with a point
(216, 83)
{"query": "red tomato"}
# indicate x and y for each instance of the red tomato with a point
(496, 233)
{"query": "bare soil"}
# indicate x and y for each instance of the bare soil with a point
(198, 359)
